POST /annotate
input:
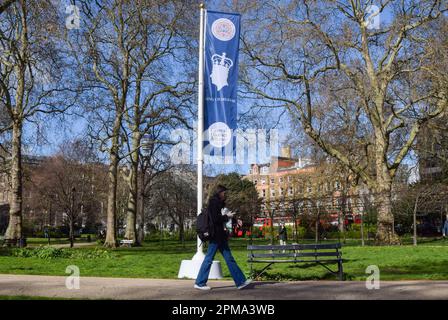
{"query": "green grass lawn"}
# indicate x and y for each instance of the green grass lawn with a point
(158, 259)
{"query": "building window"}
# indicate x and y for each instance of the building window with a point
(255, 182)
(264, 170)
(263, 180)
(281, 179)
(272, 180)
(272, 193)
(263, 194)
(289, 179)
(281, 191)
(290, 191)
(309, 189)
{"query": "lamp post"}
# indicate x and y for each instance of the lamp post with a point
(71, 215)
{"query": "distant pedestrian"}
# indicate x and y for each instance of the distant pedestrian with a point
(219, 241)
(282, 234)
(47, 234)
(445, 227)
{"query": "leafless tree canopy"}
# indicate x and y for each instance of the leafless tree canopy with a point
(360, 93)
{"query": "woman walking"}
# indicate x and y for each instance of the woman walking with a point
(219, 241)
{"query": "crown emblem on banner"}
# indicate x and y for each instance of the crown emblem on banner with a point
(220, 72)
(222, 60)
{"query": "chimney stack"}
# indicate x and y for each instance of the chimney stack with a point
(286, 152)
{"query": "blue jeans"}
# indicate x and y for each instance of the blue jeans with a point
(235, 271)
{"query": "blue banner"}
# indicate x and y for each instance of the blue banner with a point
(222, 33)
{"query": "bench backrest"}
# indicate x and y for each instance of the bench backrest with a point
(294, 252)
(295, 247)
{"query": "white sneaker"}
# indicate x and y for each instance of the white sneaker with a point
(245, 284)
(201, 288)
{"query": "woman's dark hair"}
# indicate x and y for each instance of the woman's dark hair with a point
(220, 188)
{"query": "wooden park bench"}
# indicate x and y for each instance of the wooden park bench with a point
(126, 242)
(21, 243)
(322, 254)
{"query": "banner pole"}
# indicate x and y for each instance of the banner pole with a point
(190, 268)
(200, 135)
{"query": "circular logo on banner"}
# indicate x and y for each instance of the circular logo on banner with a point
(219, 134)
(223, 29)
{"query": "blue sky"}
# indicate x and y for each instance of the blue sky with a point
(74, 127)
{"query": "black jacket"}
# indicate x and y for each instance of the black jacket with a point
(217, 220)
(282, 234)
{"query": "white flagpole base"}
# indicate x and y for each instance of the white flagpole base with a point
(189, 269)
(199, 256)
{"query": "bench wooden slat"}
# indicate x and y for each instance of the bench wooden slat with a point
(295, 247)
(305, 261)
(299, 254)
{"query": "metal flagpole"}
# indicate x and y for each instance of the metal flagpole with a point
(200, 135)
(190, 268)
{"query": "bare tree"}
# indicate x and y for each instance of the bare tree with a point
(359, 93)
(416, 201)
(153, 162)
(33, 80)
(160, 91)
(175, 198)
(73, 181)
(4, 4)
(130, 47)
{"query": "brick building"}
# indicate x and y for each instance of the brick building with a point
(432, 150)
(286, 180)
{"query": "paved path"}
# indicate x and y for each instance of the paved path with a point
(122, 288)
(76, 245)
(62, 245)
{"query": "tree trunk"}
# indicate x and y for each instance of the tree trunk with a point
(385, 233)
(72, 216)
(131, 214)
(341, 221)
(72, 236)
(415, 220)
(14, 230)
(111, 237)
(181, 231)
(141, 209)
(362, 229)
(296, 236)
